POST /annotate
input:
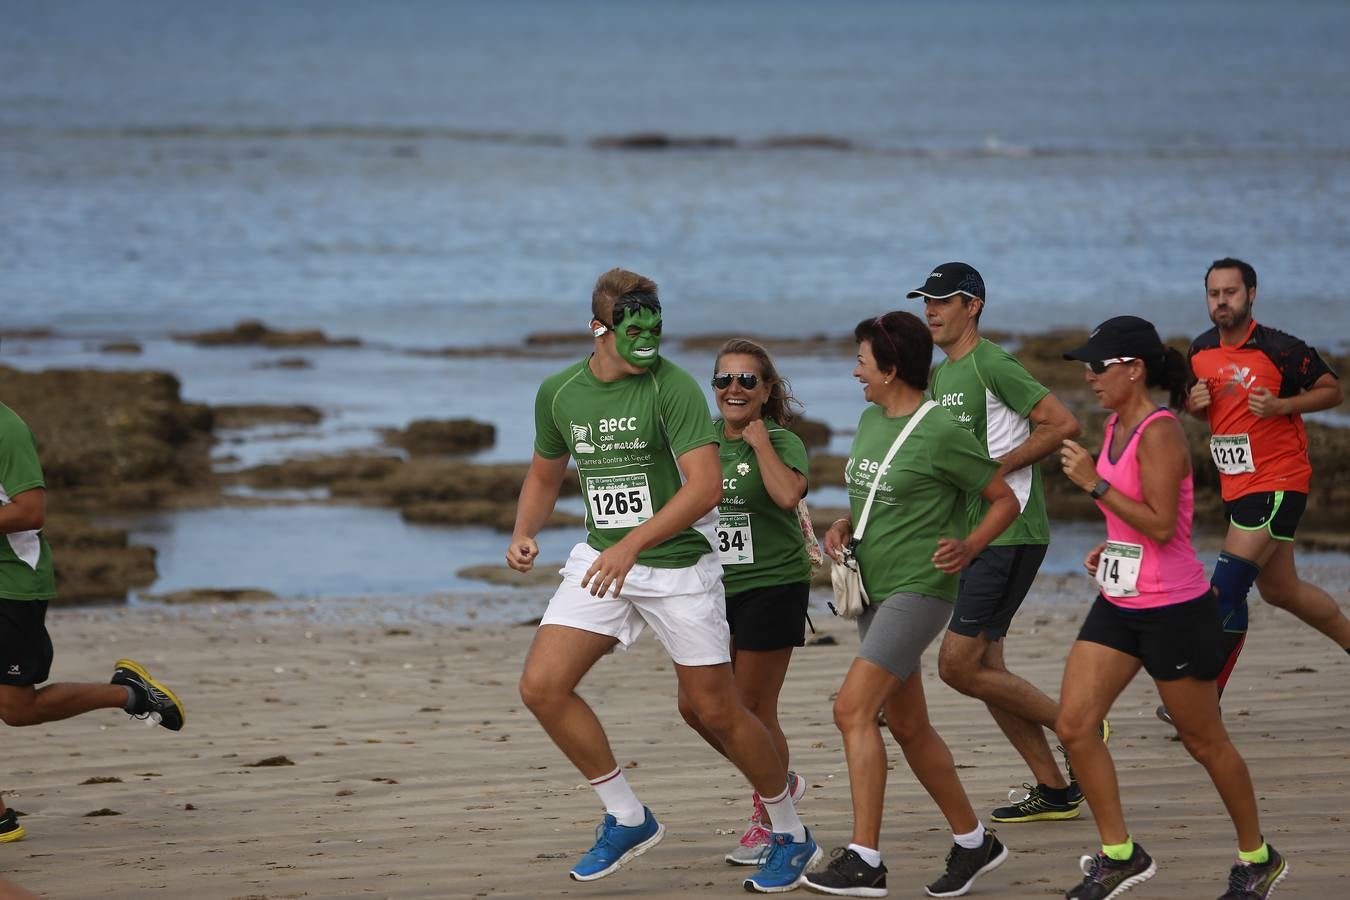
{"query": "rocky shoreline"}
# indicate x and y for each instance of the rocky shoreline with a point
(115, 442)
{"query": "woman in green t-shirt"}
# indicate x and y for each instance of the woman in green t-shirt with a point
(767, 572)
(913, 548)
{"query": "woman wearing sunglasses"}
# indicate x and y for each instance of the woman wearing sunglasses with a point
(1155, 610)
(913, 547)
(765, 566)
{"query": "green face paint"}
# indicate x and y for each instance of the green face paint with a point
(637, 336)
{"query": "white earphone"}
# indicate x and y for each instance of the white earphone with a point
(599, 330)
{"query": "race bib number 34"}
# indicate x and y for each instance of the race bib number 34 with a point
(619, 501)
(1118, 569)
(1232, 453)
(735, 541)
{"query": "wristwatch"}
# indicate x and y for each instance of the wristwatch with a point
(1100, 488)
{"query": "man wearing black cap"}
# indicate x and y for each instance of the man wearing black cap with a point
(1018, 422)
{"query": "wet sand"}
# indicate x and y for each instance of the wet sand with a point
(409, 767)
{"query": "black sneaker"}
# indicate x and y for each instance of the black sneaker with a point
(11, 830)
(1256, 882)
(964, 866)
(152, 698)
(1037, 807)
(1104, 877)
(848, 875)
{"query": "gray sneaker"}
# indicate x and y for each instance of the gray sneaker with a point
(153, 698)
(1104, 877)
(1256, 881)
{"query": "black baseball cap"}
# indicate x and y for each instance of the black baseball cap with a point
(950, 279)
(1121, 336)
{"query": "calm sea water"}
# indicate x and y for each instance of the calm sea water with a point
(424, 174)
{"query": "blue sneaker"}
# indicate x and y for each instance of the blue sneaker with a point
(616, 844)
(785, 862)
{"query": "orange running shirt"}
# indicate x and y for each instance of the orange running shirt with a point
(1277, 446)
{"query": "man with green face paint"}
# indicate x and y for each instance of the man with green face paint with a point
(637, 329)
(647, 457)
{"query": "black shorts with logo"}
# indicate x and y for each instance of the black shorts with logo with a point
(1275, 511)
(25, 646)
(769, 618)
(1177, 641)
(993, 587)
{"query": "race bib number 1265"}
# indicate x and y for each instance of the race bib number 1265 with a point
(619, 501)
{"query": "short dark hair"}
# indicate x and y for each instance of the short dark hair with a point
(900, 341)
(1228, 262)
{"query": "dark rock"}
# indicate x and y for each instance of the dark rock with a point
(812, 433)
(489, 513)
(129, 347)
(807, 345)
(805, 142)
(285, 362)
(660, 140)
(213, 595)
(430, 437)
(251, 331)
(253, 414)
(543, 574)
(99, 431)
(93, 563)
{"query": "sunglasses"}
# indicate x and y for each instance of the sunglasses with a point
(748, 380)
(1099, 366)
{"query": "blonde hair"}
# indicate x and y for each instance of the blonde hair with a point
(612, 287)
(780, 404)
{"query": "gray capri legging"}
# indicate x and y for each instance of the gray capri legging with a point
(893, 634)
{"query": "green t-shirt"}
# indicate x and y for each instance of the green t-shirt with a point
(25, 558)
(991, 393)
(760, 542)
(921, 497)
(625, 436)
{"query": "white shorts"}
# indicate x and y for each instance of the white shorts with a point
(686, 608)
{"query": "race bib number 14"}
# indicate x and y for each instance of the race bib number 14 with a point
(619, 501)
(1118, 569)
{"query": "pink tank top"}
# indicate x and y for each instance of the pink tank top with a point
(1137, 572)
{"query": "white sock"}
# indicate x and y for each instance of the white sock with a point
(869, 856)
(972, 840)
(619, 799)
(783, 815)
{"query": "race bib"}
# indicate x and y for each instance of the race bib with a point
(735, 541)
(1118, 569)
(619, 501)
(1232, 453)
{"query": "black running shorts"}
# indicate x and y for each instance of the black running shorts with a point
(1277, 512)
(993, 587)
(25, 646)
(769, 618)
(1177, 641)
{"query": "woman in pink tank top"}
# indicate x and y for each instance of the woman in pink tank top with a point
(1154, 610)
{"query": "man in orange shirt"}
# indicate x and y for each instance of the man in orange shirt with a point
(1253, 384)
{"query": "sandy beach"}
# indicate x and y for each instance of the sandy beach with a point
(409, 767)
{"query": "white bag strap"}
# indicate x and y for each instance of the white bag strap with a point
(890, 455)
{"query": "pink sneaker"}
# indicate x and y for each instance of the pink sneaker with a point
(755, 842)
